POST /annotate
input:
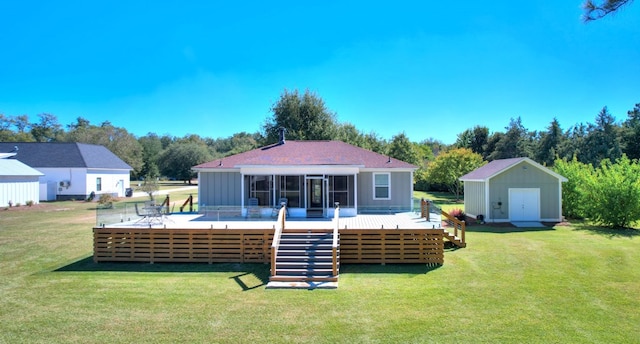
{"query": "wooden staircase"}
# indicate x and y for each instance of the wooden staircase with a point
(458, 227)
(454, 239)
(305, 256)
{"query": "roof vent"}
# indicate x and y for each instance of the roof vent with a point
(281, 132)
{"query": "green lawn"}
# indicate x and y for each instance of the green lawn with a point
(568, 284)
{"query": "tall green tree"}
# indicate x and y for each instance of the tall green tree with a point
(450, 165)
(403, 149)
(305, 117)
(596, 9)
(549, 143)
(631, 133)
(151, 149)
(515, 142)
(475, 139)
(178, 159)
(47, 129)
(118, 140)
(602, 140)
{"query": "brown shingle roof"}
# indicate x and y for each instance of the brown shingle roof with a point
(308, 153)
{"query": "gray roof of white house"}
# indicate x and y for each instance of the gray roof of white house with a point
(64, 155)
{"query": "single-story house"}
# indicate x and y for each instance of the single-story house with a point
(18, 182)
(311, 177)
(72, 170)
(512, 190)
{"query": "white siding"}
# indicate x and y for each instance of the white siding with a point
(19, 190)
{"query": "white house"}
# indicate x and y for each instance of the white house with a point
(18, 182)
(72, 170)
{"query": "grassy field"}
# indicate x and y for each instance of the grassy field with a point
(568, 284)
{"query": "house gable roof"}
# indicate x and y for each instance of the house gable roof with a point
(308, 153)
(64, 155)
(497, 167)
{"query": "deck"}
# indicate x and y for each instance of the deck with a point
(377, 239)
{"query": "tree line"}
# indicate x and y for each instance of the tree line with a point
(306, 117)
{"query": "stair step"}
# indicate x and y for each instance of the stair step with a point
(303, 252)
(295, 258)
(304, 266)
(305, 272)
(280, 278)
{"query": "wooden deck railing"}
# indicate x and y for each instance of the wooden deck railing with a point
(459, 227)
(276, 238)
(334, 246)
(381, 246)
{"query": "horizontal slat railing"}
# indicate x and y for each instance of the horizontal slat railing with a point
(370, 246)
(378, 246)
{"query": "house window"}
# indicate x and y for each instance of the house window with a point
(381, 186)
(290, 189)
(260, 188)
(98, 184)
(341, 190)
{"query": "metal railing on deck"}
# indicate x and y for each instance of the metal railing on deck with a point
(276, 238)
(459, 226)
(334, 246)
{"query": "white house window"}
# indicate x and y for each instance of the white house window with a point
(381, 186)
(98, 184)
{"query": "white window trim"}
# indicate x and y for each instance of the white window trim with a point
(388, 174)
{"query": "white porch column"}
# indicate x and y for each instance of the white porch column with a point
(241, 192)
(355, 191)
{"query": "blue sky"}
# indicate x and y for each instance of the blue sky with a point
(213, 68)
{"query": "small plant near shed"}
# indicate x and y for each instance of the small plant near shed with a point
(458, 214)
(29, 203)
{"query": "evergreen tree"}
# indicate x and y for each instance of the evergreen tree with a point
(549, 143)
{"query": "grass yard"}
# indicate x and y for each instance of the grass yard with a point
(445, 200)
(568, 284)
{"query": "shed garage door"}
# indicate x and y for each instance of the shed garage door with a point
(524, 204)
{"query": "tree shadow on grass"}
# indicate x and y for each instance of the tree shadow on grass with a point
(607, 231)
(250, 275)
(506, 228)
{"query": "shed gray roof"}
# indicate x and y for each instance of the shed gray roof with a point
(64, 155)
(496, 167)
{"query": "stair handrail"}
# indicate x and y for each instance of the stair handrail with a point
(334, 246)
(279, 227)
(458, 226)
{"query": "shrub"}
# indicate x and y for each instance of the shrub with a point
(107, 200)
(29, 203)
(458, 214)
